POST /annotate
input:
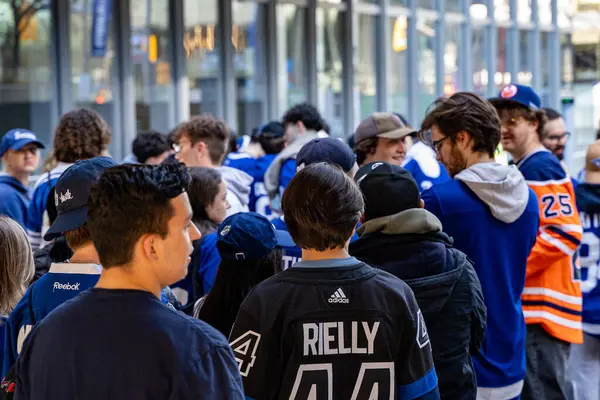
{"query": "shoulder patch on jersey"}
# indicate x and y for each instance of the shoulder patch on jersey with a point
(422, 335)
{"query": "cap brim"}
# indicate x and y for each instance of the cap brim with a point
(22, 143)
(67, 221)
(284, 239)
(498, 102)
(397, 133)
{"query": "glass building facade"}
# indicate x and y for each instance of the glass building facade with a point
(247, 61)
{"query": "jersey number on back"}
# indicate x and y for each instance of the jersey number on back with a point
(244, 348)
(563, 208)
(376, 380)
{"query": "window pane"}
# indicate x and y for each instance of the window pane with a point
(426, 37)
(501, 10)
(480, 73)
(502, 76)
(201, 48)
(398, 2)
(566, 51)
(524, 10)
(545, 12)
(544, 57)
(365, 77)
(525, 76)
(452, 82)
(248, 41)
(93, 73)
(151, 67)
(398, 90)
(329, 68)
(291, 31)
(25, 70)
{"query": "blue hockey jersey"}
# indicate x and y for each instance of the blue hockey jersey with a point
(588, 203)
(421, 162)
(202, 268)
(256, 168)
(493, 218)
(14, 199)
(292, 255)
(36, 212)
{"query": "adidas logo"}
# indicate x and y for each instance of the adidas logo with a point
(338, 297)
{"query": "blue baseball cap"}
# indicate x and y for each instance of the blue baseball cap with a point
(329, 150)
(72, 192)
(16, 139)
(249, 236)
(513, 93)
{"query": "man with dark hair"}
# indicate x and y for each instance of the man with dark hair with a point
(80, 134)
(555, 134)
(381, 137)
(117, 340)
(339, 329)
(552, 294)
(68, 278)
(493, 218)
(151, 147)
(20, 156)
(202, 142)
(407, 241)
(301, 123)
(319, 150)
(266, 142)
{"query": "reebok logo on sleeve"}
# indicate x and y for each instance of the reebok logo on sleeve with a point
(65, 286)
(338, 297)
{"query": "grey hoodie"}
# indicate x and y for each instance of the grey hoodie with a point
(291, 151)
(238, 188)
(502, 188)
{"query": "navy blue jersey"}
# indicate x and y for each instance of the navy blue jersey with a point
(63, 282)
(588, 203)
(125, 344)
(338, 330)
(14, 199)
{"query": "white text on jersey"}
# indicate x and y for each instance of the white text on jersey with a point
(327, 338)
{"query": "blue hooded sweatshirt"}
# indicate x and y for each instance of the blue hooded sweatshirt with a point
(14, 199)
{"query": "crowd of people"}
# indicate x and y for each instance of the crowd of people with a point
(403, 263)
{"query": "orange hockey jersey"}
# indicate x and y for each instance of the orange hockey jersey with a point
(552, 294)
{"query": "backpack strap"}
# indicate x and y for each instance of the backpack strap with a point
(30, 298)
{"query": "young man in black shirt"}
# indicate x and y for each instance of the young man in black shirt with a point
(331, 327)
(117, 340)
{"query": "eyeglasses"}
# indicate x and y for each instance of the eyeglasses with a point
(437, 144)
(177, 148)
(558, 137)
(427, 138)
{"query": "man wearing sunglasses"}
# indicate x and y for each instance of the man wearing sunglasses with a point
(552, 295)
(493, 218)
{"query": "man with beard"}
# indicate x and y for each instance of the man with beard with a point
(493, 217)
(555, 134)
(552, 295)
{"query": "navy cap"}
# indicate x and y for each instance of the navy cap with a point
(249, 236)
(272, 129)
(388, 189)
(523, 95)
(329, 150)
(72, 192)
(16, 139)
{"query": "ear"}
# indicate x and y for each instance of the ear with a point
(148, 245)
(301, 126)
(422, 203)
(200, 147)
(535, 124)
(362, 218)
(463, 139)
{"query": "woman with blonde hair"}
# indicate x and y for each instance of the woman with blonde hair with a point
(16, 268)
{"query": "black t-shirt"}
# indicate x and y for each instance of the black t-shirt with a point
(125, 344)
(337, 329)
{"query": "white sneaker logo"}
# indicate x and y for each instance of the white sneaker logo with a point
(339, 297)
